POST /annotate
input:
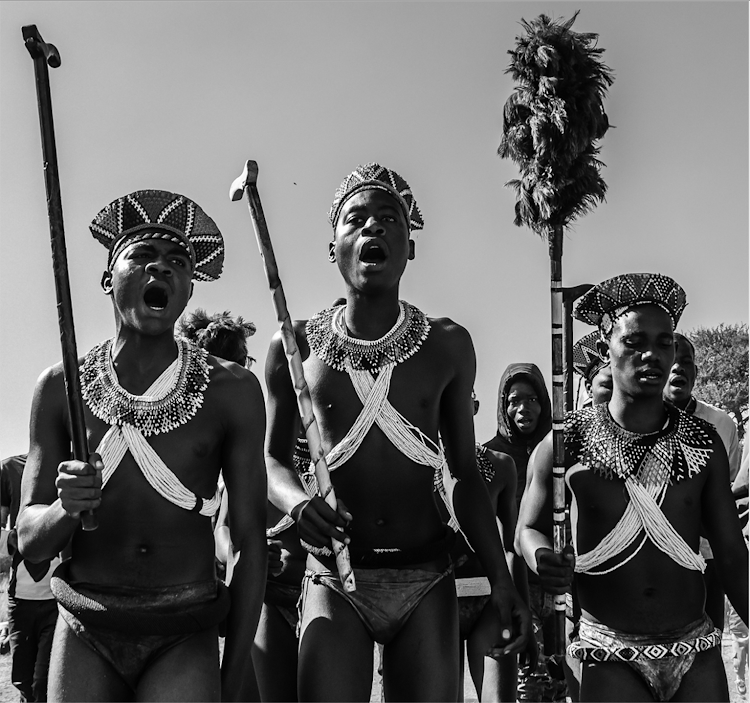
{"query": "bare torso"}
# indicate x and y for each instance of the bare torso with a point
(390, 497)
(142, 538)
(651, 592)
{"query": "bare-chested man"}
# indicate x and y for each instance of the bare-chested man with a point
(643, 476)
(384, 380)
(139, 599)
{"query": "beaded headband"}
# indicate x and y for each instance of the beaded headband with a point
(605, 302)
(159, 214)
(586, 359)
(374, 176)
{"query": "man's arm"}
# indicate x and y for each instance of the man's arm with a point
(317, 523)
(507, 514)
(534, 530)
(723, 530)
(54, 490)
(470, 497)
(245, 478)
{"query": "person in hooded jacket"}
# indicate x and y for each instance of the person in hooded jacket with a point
(524, 418)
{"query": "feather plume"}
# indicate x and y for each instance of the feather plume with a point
(552, 121)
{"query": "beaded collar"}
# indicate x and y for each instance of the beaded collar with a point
(484, 464)
(678, 451)
(329, 341)
(178, 397)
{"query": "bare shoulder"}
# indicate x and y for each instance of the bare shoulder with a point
(49, 392)
(233, 385)
(503, 463)
(276, 348)
(450, 335)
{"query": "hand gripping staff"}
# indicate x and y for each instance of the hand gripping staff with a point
(44, 54)
(247, 183)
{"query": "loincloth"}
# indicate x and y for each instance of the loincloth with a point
(130, 627)
(385, 598)
(662, 660)
(285, 598)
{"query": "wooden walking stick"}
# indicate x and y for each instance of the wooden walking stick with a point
(47, 54)
(551, 125)
(247, 183)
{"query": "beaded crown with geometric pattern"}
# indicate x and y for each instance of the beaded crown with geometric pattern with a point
(586, 359)
(160, 214)
(374, 176)
(605, 302)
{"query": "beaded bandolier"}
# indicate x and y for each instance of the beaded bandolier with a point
(172, 400)
(369, 364)
(648, 464)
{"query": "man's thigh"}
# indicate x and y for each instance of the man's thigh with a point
(335, 649)
(188, 671)
(22, 646)
(78, 673)
(706, 680)
(422, 662)
(275, 656)
(46, 617)
(612, 681)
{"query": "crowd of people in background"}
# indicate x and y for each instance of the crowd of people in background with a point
(204, 538)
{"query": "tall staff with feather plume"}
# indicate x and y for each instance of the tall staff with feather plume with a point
(551, 124)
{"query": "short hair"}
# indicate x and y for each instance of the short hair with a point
(219, 334)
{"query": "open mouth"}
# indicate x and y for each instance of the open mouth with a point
(156, 298)
(373, 254)
(678, 382)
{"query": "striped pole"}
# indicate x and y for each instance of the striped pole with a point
(247, 183)
(558, 417)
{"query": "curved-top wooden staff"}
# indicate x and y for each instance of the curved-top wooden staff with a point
(247, 183)
(44, 54)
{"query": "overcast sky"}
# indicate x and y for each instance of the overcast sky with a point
(178, 95)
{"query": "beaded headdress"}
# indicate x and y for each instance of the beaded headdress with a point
(378, 177)
(159, 214)
(586, 359)
(605, 302)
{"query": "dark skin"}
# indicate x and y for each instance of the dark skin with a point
(494, 679)
(144, 540)
(679, 387)
(650, 593)
(524, 407)
(600, 386)
(386, 500)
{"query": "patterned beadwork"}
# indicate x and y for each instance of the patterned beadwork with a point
(609, 299)
(374, 175)
(586, 359)
(679, 451)
(635, 652)
(161, 214)
(484, 464)
(329, 341)
(151, 415)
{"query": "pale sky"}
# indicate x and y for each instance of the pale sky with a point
(178, 95)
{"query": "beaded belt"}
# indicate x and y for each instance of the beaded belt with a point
(633, 652)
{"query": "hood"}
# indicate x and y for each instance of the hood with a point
(505, 427)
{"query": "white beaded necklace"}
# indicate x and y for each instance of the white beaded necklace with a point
(172, 400)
